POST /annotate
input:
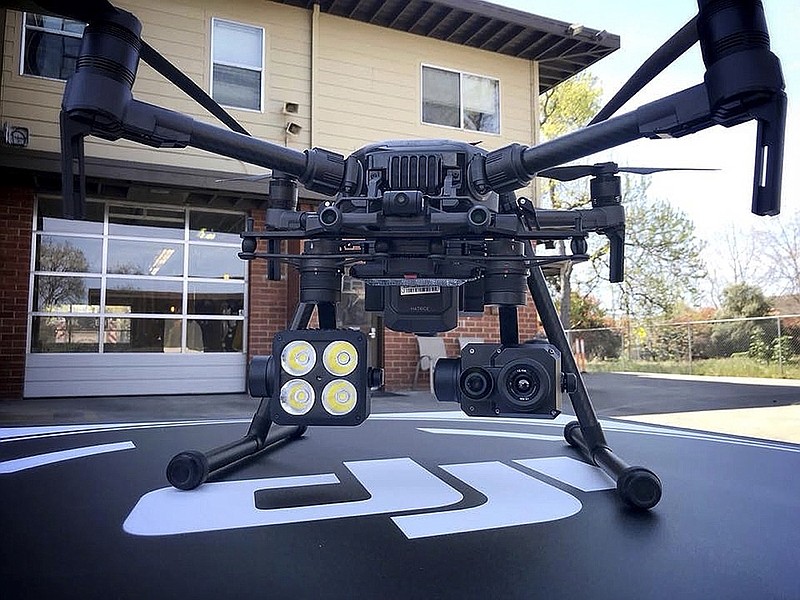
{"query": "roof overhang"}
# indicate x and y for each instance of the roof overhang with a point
(562, 49)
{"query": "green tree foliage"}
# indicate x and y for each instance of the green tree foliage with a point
(756, 338)
(663, 262)
(586, 313)
(570, 105)
(564, 108)
(743, 300)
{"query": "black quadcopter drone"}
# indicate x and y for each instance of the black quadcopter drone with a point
(428, 214)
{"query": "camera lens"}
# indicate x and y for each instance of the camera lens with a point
(476, 383)
(523, 386)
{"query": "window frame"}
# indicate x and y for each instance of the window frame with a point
(262, 71)
(103, 314)
(460, 74)
(24, 27)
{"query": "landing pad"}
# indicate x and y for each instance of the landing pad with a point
(416, 505)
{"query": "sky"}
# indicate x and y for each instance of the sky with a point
(716, 201)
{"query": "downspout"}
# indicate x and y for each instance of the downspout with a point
(3, 17)
(314, 68)
(535, 119)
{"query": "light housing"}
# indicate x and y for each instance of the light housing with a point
(315, 377)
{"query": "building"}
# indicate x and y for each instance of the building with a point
(147, 295)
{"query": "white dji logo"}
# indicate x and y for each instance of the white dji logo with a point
(396, 485)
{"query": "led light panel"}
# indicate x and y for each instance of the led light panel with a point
(298, 358)
(340, 358)
(297, 397)
(339, 397)
(319, 377)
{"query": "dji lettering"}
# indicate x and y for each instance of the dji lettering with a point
(398, 485)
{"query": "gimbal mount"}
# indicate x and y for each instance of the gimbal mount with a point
(434, 213)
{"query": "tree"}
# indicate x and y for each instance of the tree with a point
(564, 108)
(738, 259)
(60, 258)
(663, 262)
(569, 105)
(587, 313)
(780, 246)
(741, 300)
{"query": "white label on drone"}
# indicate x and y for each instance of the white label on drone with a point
(398, 485)
(411, 291)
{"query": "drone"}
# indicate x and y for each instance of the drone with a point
(427, 214)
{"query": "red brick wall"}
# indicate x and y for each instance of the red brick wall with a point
(268, 310)
(401, 352)
(272, 303)
(16, 215)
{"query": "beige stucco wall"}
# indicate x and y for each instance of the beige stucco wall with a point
(182, 32)
(367, 87)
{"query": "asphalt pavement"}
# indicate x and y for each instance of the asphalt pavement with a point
(626, 394)
(759, 408)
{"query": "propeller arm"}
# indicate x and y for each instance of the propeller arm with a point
(679, 114)
(743, 81)
(318, 169)
(98, 101)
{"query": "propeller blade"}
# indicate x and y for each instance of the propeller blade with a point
(567, 173)
(571, 172)
(246, 178)
(650, 170)
(674, 47)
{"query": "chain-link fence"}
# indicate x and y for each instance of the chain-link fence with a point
(754, 347)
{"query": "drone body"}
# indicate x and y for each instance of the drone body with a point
(432, 213)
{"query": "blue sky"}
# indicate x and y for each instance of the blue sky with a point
(716, 201)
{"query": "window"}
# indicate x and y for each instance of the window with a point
(237, 57)
(460, 100)
(133, 278)
(50, 46)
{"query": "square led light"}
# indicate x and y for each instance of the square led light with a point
(319, 377)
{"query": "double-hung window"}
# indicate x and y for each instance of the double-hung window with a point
(237, 72)
(461, 100)
(50, 46)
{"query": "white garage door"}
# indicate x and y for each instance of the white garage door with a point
(136, 299)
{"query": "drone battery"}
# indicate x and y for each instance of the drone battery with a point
(421, 310)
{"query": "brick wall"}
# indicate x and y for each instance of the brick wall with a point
(401, 353)
(16, 214)
(269, 310)
(270, 306)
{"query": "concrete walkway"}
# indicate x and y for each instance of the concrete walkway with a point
(767, 421)
(779, 423)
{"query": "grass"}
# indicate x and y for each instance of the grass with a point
(738, 366)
